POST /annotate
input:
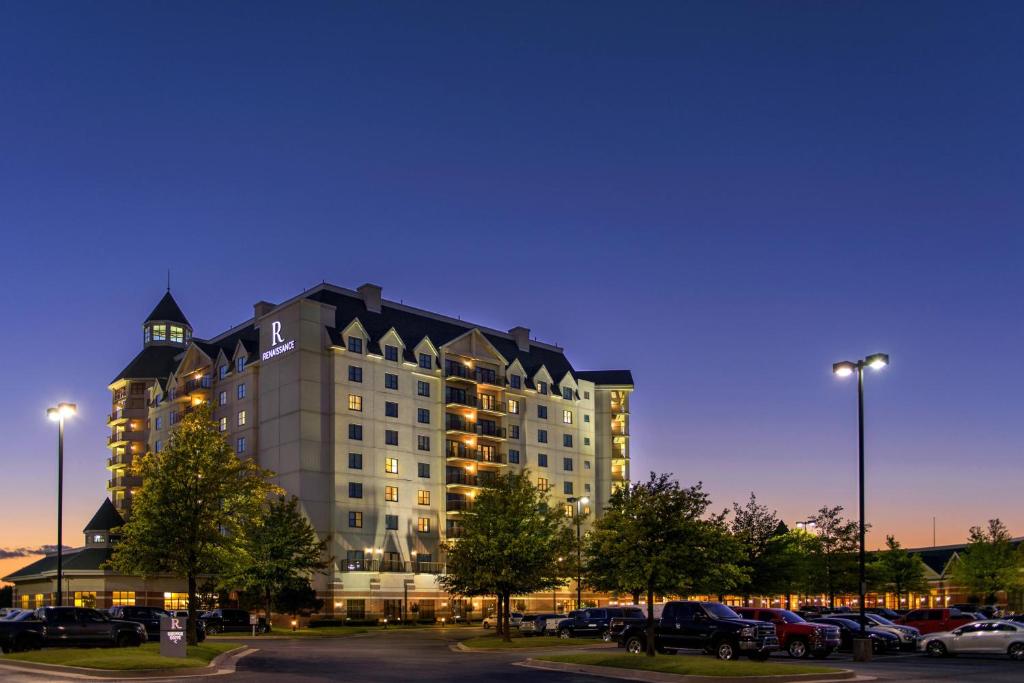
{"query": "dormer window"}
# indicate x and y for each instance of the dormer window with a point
(177, 334)
(98, 538)
(147, 335)
(160, 332)
(355, 344)
(542, 387)
(240, 364)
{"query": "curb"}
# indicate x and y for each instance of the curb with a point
(661, 677)
(522, 650)
(217, 666)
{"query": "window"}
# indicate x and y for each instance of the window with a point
(542, 387)
(355, 344)
(391, 522)
(240, 445)
(355, 461)
(423, 416)
(567, 393)
(513, 456)
(586, 441)
(567, 440)
(567, 509)
(240, 364)
(391, 465)
(241, 418)
(240, 389)
(391, 494)
(355, 432)
(515, 381)
(513, 406)
(542, 460)
(175, 600)
(146, 337)
(355, 490)
(513, 431)
(586, 395)
(391, 437)
(222, 398)
(159, 332)
(567, 417)
(355, 402)
(542, 483)
(586, 464)
(390, 409)
(426, 361)
(422, 388)
(423, 525)
(423, 470)
(567, 464)
(157, 447)
(423, 497)
(390, 381)
(542, 412)
(355, 609)
(123, 598)
(391, 353)
(586, 418)
(88, 598)
(355, 373)
(422, 442)
(159, 423)
(586, 488)
(542, 436)
(567, 487)
(223, 424)
(222, 371)
(355, 519)
(354, 559)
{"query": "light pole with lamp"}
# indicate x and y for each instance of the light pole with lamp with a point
(876, 361)
(580, 502)
(58, 414)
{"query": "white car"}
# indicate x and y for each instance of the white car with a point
(991, 636)
(514, 619)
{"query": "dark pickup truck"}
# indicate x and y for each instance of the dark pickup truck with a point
(57, 626)
(708, 626)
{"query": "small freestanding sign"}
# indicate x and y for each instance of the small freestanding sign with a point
(254, 621)
(172, 636)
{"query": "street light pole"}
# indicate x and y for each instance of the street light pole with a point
(580, 502)
(57, 414)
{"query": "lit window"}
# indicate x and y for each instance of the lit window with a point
(146, 337)
(175, 601)
(390, 381)
(513, 406)
(567, 509)
(222, 398)
(355, 344)
(391, 353)
(223, 424)
(241, 418)
(355, 402)
(355, 519)
(423, 497)
(391, 465)
(123, 598)
(567, 417)
(85, 599)
(159, 332)
(542, 483)
(177, 334)
(391, 494)
(423, 525)
(390, 409)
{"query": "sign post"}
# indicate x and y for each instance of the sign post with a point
(254, 622)
(172, 637)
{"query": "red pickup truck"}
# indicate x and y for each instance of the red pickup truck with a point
(934, 620)
(797, 636)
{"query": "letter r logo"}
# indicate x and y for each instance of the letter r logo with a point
(175, 623)
(275, 333)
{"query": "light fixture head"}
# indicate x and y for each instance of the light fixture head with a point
(53, 414)
(843, 368)
(584, 500)
(877, 361)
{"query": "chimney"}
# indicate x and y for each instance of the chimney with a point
(371, 297)
(522, 337)
(261, 309)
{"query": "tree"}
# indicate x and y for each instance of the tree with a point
(280, 548)
(654, 535)
(189, 514)
(833, 549)
(6, 596)
(989, 563)
(760, 535)
(297, 597)
(510, 543)
(894, 570)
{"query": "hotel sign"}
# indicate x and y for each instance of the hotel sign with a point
(277, 343)
(172, 636)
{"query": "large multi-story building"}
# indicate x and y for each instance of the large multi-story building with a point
(383, 419)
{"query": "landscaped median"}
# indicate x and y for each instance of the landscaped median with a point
(695, 667)
(524, 643)
(319, 632)
(122, 658)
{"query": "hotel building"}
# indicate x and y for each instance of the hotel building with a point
(384, 420)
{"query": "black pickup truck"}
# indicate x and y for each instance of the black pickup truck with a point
(57, 626)
(708, 626)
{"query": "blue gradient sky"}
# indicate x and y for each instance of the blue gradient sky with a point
(725, 197)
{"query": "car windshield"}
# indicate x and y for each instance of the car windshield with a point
(720, 611)
(879, 619)
(20, 616)
(633, 613)
(790, 617)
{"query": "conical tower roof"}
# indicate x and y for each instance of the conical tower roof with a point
(168, 310)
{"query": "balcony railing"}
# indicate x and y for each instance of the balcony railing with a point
(483, 402)
(454, 531)
(393, 566)
(490, 431)
(457, 449)
(459, 505)
(117, 460)
(465, 479)
(117, 415)
(455, 370)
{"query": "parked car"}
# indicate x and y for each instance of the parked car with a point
(514, 619)
(594, 621)
(890, 614)
(881, 642)
(796, 635)
(908, 635)
(991, 636)
(6, 612)
(224, 620)
(709, 626)
(935, 620)
(535, 624)
(149, 617)
(986, 611)
(56, 626)
(616, 625)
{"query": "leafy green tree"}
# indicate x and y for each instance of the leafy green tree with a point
(989, 564)
(763, 542)
(297, 597)
(510, 544)
(189, 515)
(279, 548)
(894, 570)
(6, 596)
(833, 547)
(654, 533)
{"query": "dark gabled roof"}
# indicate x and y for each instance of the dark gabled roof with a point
(152, 361)
(413, 326)
(81, 559)
(168, 310)
(618, 377)
(937, 557)
(105, 519)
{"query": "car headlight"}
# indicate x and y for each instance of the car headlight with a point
(748, 632)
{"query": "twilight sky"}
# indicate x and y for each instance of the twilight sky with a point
(725, 197)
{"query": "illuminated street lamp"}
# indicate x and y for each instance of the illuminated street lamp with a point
(58, 414)
(580, 502)
(875, 361)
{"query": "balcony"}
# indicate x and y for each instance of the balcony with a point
(456, 450)
(454, 531)
(117, 417)
(463, 478)
(458, 505)
(122, 482)
(482, 402)
(193, 386)
(460, 372)
(118, 461)
(619, 429)
(489, 430)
